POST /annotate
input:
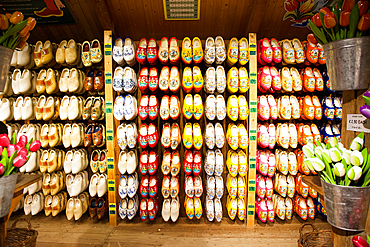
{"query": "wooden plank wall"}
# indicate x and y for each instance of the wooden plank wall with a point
(142, 18)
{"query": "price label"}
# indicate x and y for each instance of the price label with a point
(112, 208)
(252, 49)
(107, 49)
(110, 162)
(109, 106)
(252, 182)
(109, 134)
(108, 75)
(252, 159)
(252, 188)
(250, 212)
(253, 138)
(108, 81)
(252, 166)
(253, 102)
(250, 206)
(253, 132)
(111, 185)
(253, 81)
(253, 109)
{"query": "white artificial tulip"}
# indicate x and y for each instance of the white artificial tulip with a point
(335, 155)
(339, 170)
(354, 173)
(317, 164)
(358, 142)
(356, 158)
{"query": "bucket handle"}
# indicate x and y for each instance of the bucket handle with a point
(307, 224)
(23, 219)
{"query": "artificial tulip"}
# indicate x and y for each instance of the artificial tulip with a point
(23, 139)
(19, 161)
(21, 44)
(311, 38)
(359, 242)
(290, 5)
(354, 173)
(344, 18)
(10, 149)
(16, 17)
(24, 31)
(348, 5)
(316, 20)
(363, 6)
(25, 38)
(324, 10)
(329, 20)
(1, 169)
(4, 140)
(8, 15)
(364, 23)
(35, 146)
(31, 22)
(4, 22)
(22, 152)
(339, 170)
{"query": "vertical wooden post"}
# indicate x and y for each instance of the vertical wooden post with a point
(252, 129)
(109, 126)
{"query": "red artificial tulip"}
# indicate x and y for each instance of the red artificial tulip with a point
(311, 38)
(19, 161)
(16, 17)
(10, 149)
(329, 20)
(23, 139)
(324, 10)
(1, 169)
(344, 18)
(316, 20)
(359, 242)
(22, 152)
(364, 23)
(35, 146)
(4, 140)
(291, 5)
(31, 22)
(348, 5)
(363, 6)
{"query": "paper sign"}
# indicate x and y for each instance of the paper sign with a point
(357, 122)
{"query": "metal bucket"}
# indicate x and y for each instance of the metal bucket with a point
(7, 186)
(6, 55)
(348, 62)
(346, 206)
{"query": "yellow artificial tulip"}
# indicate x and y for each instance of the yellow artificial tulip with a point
(4, 22)
(16, 17)
(31, 22)
(24, 31)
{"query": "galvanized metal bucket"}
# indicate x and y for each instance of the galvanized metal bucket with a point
(6, 57)
(346, 206)
(348, 62)
(7, 186)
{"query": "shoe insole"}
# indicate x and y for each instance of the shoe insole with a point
(86, 47)
(174, 71)
(128, 42)
(164, 43)
(220, 72)
(173, 43)
(187, 44)
(153, 71)
(152, 43)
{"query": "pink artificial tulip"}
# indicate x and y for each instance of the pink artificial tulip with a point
(4, 140)
(10, 149)
(23, 140)
(19, 161)
(35, 146)
(22, 152)
(1, 169)
(1, 150)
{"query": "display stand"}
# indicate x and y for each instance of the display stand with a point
(112, 154)
(252, 129)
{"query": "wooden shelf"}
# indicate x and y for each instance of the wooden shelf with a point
(315, 183)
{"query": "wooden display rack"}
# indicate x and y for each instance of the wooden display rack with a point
(114, 150)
